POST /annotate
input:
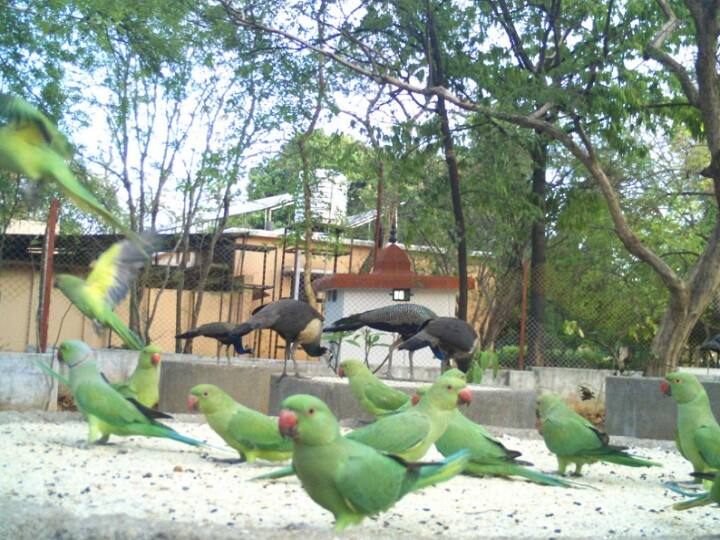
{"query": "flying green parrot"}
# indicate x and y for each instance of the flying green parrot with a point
(144, 384)
(488, 456)
(31, 146)
(410, 434)
(253, 434)
(109, 281)
(374, 396)
(350, 479)
(105, 409)
(573, 439)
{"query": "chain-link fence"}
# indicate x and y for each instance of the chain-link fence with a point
(199, 279)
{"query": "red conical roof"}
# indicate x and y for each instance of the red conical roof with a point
(392, 260)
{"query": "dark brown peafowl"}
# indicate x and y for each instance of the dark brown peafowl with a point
(220, 331)
(403, 319)
(297, 322)
(453, 338)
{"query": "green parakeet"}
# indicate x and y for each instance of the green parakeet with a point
(105, 409)
(374, 396)
(698, 435)
(108, 283)
(31, 146)
(410, 434)
(488, 456)
(573, 439)
(347, 478)
(694, 412)
(707, 440)
(253, 434)
(144, 384)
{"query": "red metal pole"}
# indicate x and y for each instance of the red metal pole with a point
(523, 314)
(48, 273)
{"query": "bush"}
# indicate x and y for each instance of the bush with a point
(508, 356)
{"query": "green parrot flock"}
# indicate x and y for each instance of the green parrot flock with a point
(352, 475)
(367, 470)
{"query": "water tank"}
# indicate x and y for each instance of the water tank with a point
(329, 197)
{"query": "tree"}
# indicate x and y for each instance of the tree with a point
(584, 110)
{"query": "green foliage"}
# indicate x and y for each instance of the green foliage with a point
(281, 173)
(370, 340)
(482, 361)
(508, 356)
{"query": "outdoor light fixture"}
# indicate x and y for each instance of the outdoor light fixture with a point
(401, 295)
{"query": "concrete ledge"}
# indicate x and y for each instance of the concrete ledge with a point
(635, 407)
(566, 381)
(24, 386)
(247, 385)
(490, 405)
(247, 381)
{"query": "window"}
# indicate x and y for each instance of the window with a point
(401, 295)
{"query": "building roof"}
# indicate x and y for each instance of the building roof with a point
(392, 270)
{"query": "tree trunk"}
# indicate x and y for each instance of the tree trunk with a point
(307, 198)
(670, 338)
(501, 299)
(536, 326)
(438, 78)
(207, 262)
(687, 304)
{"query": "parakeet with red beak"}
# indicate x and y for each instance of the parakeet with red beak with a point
(694, 412)
(350, 479)
(488, 456)
(698, 432)
(410, 433)
(253, 434)
(144, 384)
(105, 409)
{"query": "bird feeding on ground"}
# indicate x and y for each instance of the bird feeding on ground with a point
(297, 322)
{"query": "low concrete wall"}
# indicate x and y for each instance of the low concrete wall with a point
(23, 385)
(490, 405)
(635, 407)
(249, 385)
(566, 381)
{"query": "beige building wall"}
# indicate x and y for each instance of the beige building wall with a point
(19, 295)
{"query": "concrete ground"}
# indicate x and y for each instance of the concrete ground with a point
(52, 486)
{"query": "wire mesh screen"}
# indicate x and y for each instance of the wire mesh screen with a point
(199, 279)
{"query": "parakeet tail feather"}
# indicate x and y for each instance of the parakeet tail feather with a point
(443, 470)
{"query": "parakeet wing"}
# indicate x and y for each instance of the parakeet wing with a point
(570, 436)
(255, 432)
(707, 440)
(35, 126)
(115, 270)
(98, 399)
(369, 481)
(124, 389)
(394, 434)
(385, 397)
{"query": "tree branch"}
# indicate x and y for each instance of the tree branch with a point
(653, 50)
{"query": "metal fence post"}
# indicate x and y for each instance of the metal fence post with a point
(47, 272)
